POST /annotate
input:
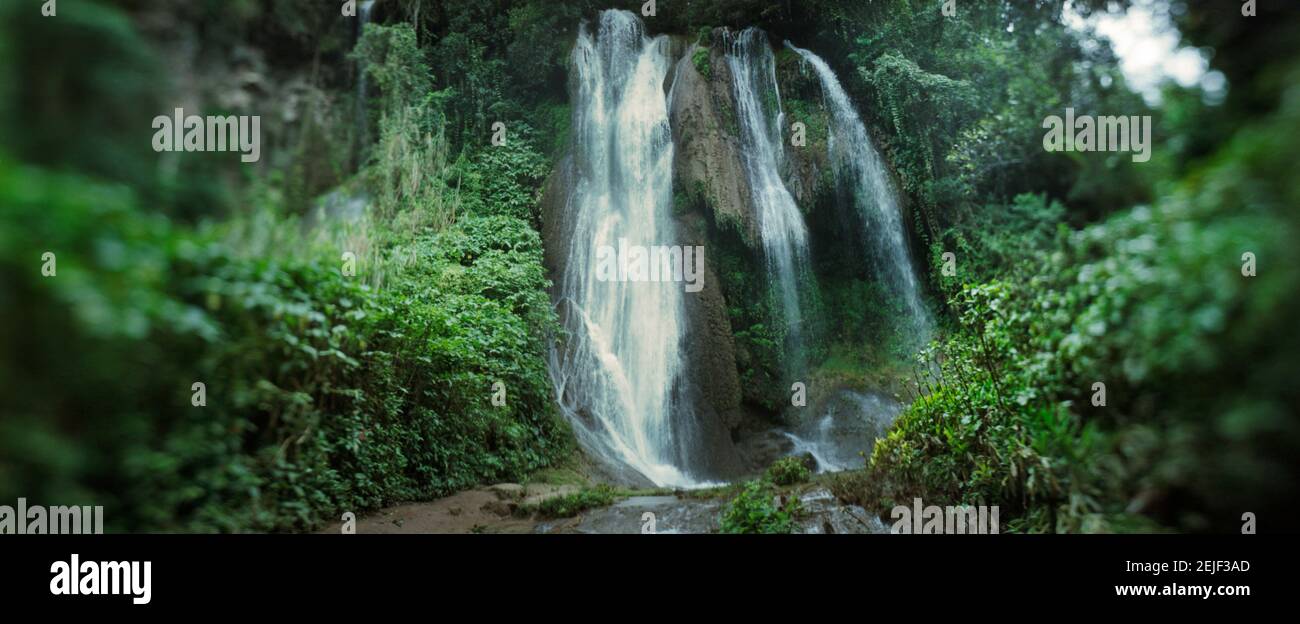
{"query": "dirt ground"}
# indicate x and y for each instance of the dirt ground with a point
(484, 510)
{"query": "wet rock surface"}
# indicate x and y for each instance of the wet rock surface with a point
(823, 513)
(842, 437)
(707, 158)
(668, 514)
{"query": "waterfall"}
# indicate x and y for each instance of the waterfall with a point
(619, 374)
(781, 227)
(846, 431)
(858, 165)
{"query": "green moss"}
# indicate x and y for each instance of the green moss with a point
(730, 122)
(571, 505)
(814, 119)
(681, 202)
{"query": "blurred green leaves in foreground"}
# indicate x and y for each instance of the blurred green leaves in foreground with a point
(1198, 360)
(324, 392)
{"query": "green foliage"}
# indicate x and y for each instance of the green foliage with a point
(396, 63)
(506, 179)
(958, 106)
(982, 240)
(757, 510)
(701, 61)
(80, 93)
(409, 173)
(813, 119)
(323, 393)
(538, 52)
(788, 471)
(863, 315)
(570, 505)
(470, 55)
(703, 35)
(409, 159)
(923, 108)
(1152, 302)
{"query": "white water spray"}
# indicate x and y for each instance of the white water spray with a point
(619, 375)
(781, 227)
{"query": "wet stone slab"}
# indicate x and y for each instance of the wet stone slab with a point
(822, 514)
(669, 514)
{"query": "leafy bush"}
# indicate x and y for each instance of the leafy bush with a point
(788, 471)
(394, 60)
(323, 394)
(701, 61)
(1152, 302)
(756, 510)
(506, 179)
(408, 163)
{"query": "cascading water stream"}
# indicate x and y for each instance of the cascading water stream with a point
(858, 164)
(781, 227)
(620, 370)
(619, 374)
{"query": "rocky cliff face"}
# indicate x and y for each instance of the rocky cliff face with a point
(707, 168)
(556, 225)
(808, 174)
(713, 190)
(705, 133)
(710, 348)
